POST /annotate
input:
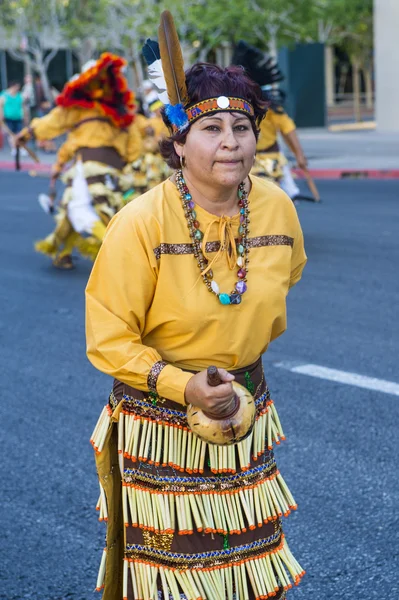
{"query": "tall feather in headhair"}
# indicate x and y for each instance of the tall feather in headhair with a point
(259, 66)
(173, 69)
(263, 69)
(156, 75)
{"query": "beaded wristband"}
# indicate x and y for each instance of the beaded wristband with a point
(154, 374)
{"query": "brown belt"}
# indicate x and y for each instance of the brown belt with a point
(273, 148)
(106, 155)
(251, 377)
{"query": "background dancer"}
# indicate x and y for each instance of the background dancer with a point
(96, 111)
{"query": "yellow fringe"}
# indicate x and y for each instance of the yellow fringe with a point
(101, 572)
(265, 575)
(97, 438)
(88, 247)
(168, 445)
(47, 246)
(212, 512)
(101, 505)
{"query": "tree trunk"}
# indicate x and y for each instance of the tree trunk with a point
(219, 56)
(273, 46)
(227, 53)
(45, 82)
(329, 75)
(356, 89)
(368, 80)
(342, 79)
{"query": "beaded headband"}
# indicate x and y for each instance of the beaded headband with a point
(222, 103)
(180, 118)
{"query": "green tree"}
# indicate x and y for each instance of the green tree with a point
(83, 26)
(35, 34)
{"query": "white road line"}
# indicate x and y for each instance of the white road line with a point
(362, 381)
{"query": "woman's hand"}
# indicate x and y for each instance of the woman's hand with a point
(213, 400)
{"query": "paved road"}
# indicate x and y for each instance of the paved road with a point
(340, 457)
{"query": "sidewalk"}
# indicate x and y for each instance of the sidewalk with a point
(331, 154)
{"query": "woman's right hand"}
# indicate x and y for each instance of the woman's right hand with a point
(213, 400)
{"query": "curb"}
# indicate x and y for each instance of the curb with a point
(349, 173)
(45, 169)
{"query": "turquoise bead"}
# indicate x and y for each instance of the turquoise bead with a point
(240, 194)
(193, 214)
(241, 230)
(198, 235)
(224, 298)
(188, 196)
(242, 211)
(240, 249)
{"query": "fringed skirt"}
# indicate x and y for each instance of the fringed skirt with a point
(110, 185)
(188, 519)
(269, 165)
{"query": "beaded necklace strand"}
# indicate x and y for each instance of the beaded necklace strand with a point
(196, 235)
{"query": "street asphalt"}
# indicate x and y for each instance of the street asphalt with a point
(340, 458)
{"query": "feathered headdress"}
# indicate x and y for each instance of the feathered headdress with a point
(102, 84)
(166, 71)
(263, 69)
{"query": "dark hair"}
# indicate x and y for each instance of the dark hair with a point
(210, 81)
(14, 82)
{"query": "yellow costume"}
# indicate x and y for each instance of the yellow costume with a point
(150, 323)
(104, 140)
(150, 169)
(269, 160)
(131, 327)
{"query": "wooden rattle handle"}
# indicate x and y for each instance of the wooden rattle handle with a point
(214, 380)
(213, 376)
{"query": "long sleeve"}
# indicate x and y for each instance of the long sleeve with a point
(66, 152)
(57, 122)
(118, 295)
(298, 258)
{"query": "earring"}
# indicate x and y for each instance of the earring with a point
(182, 162)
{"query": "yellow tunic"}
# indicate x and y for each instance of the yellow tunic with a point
(270, 126)
(146, 301)
(91, 134)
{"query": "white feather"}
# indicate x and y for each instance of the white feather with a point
(157, 78)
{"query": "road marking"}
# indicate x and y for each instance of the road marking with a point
(362, 381)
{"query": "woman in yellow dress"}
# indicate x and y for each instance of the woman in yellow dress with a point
(194, 273)
(96, 111)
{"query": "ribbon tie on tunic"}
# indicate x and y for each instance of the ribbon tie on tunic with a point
(227, 243)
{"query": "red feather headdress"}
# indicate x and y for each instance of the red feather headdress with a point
(103, 86)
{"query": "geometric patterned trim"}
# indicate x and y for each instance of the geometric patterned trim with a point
(147, 410)
(196, 485)
(213, 105)
(154, 374)
(205, 560)
(255, 242)
(270, 240)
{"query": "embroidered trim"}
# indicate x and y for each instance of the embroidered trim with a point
(215, 105)
(197, 485)
(205, 560)
(154, 374)
(256, 242)
(173, 417)
(270, 240)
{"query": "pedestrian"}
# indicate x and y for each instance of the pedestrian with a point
(192, 274)
(96, 111)
(12, 112)
(270, 160)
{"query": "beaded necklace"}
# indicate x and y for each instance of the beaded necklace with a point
(196, 236)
